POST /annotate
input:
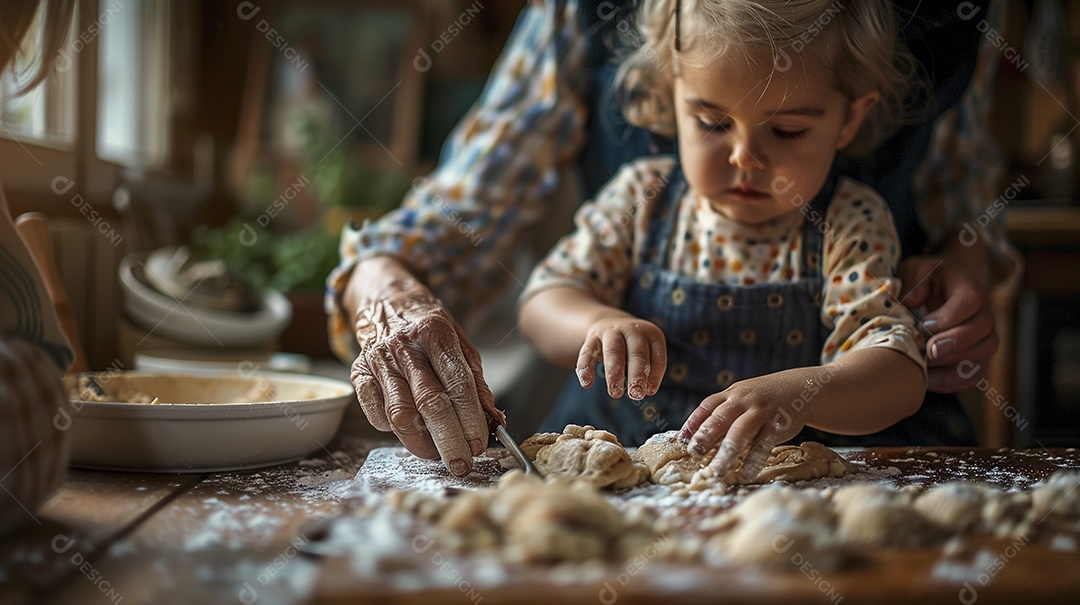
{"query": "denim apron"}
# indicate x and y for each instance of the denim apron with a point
(716, 333)
(941, 420)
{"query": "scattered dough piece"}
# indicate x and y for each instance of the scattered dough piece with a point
(533, 520)
(810, 460)
(669, 462)
(955, 506)
(1058, 496)
(1004, 513)
(779, 526)
(874, 515)
(585, 453)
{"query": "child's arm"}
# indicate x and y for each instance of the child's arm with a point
(569, 307)
(872, 368)
(865, 391)
(570, 328)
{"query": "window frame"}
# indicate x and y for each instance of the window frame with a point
(46, 175)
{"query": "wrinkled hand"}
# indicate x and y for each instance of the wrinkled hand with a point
(960, 325)
(748, 419)
(633, 351)
(419, 376)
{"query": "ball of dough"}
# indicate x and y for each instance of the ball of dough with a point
(667, 459)
(955, 506)
(533, 444)
(807, 461)
(776, 527)
(585, 453)
(670, 463)
(874, 515)
(1058, 496)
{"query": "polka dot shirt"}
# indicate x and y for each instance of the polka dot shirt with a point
(860, 298)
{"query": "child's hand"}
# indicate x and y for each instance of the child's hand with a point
(633, 351)
(751, 417)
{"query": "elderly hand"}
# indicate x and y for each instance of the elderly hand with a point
(417, 374)
(960, 326)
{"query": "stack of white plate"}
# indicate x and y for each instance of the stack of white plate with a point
(189, 324)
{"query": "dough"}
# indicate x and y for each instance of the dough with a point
(669, 462)
(955, 506)
(874, 515)
(583, 452)
(532, 520)
(778, 527)
(810, 460)
(1004, 513)
(1058, 496)
(531, 446)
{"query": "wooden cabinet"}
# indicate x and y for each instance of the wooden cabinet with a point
(1026, 399)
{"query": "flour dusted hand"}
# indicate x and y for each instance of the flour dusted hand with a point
(632, 350)
(746, 421)
(417, 374)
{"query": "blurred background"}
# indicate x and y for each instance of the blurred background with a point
(248, 133)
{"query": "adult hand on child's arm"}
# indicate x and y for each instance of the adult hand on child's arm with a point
(417, 374)
(954, 286)
(570, 327)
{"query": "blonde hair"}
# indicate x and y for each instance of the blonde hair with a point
(855, 40)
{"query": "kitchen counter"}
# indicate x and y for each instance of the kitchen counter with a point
(231, 537)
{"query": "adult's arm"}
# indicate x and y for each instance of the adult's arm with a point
(447, 248)
(961, 198)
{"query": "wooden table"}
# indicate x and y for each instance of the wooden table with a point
(231, 537)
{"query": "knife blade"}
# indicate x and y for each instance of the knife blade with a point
(508, 442)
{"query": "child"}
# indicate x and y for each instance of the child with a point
(740, 287)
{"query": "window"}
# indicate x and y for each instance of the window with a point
(133, 87)
(46, 114)
(111, 100)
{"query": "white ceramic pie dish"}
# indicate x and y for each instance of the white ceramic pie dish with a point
(205, 428)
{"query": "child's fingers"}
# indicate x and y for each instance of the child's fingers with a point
(722, 413)
(657, 363)
(699, 416)
(737, 441)
(615, 362)
(588, 357)
(637, 364)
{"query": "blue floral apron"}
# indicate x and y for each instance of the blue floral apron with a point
(718, 334)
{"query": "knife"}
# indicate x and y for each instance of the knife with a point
(508, 442)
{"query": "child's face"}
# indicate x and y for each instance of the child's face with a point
(758, 149)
